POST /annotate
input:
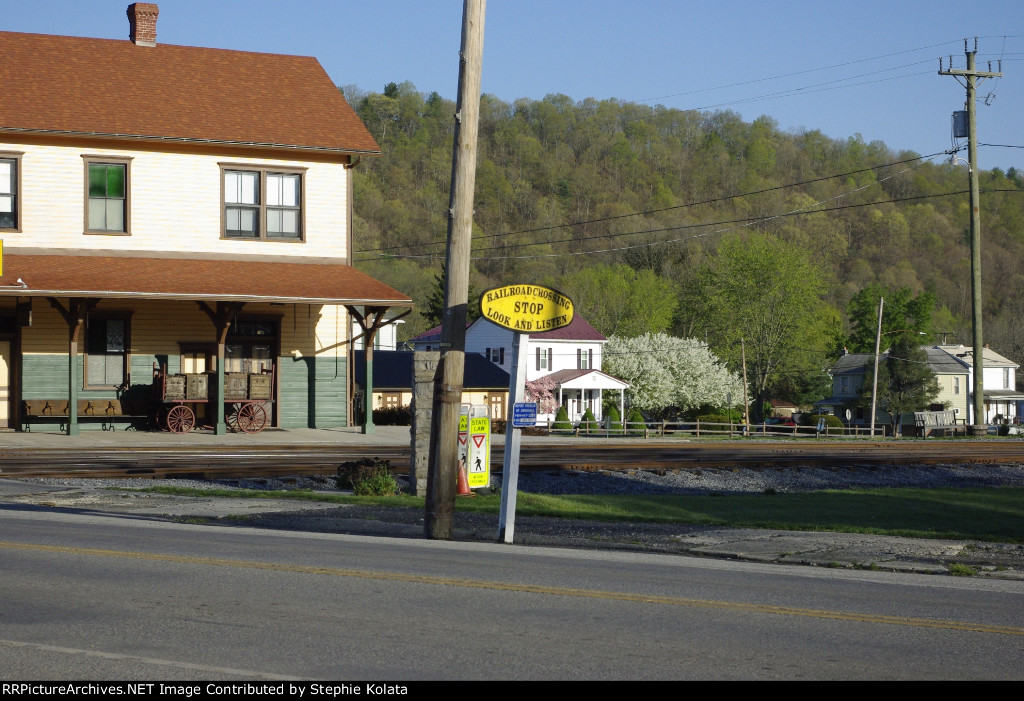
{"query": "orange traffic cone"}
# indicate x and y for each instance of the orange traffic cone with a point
(464, 490)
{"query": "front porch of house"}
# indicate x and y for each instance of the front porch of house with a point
(580, 390)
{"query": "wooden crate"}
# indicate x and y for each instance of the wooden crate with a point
(235, 386)
(174, 387)
(197, 386)
(259, 386)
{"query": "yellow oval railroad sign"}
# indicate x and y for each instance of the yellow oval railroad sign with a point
(526, 308)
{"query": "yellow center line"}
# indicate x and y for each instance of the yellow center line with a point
(527, 588)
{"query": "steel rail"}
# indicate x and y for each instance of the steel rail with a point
(581, 455)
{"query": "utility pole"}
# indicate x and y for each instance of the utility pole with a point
(746, 400)
(874, 385)
(444, 429)
(971, 76)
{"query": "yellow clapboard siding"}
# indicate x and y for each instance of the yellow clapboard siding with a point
(175, 203)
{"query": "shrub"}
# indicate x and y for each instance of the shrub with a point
(636, 421)
(714, 419)
(393, 416)
(368, 477)
(589, 421)
(613, 418)
(812, 420)
(562, 420)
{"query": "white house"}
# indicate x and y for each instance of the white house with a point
(184, 207)
(999, 376)
(569, 356)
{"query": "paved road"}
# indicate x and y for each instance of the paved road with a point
(107, 596)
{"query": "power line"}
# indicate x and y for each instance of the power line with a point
(789, 75)
(662, 209)
(807, 90)
(749, 221)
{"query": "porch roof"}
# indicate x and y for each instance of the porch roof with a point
(585, 379)
(179, 277)
(1003, 395)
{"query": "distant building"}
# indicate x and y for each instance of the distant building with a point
(953, 368)
(569, 356)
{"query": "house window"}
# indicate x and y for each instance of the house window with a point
(844, 385)
(496, 355)
(584, 358)
(9, 189)
(262, 204)
(1006, 378)
(956, 385)
(106, 352)
(106, 195)
(544, 359)
(391, 400)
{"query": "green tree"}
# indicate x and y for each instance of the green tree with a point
(768, 295)
(433, 310)
(618, 300)
(906, 383)
(903, 312)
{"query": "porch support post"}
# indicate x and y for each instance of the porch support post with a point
(74, 316)
(222, 320)
(370, 320)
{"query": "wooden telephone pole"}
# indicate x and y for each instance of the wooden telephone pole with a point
(444, 427)
(971, 76)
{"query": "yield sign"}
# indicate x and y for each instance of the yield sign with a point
(478, 463)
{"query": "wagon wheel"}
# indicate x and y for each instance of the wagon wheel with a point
(180, 419)
(252, 418)
(231, 416)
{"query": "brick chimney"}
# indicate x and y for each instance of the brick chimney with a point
(142, 23)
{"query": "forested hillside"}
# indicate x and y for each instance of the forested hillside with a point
(697, 224)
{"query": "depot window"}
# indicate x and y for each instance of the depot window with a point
(107, 195)
(262, 204)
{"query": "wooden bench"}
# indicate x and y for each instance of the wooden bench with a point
(928, 421)
(107, 411)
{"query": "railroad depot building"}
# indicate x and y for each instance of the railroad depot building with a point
(169, 210)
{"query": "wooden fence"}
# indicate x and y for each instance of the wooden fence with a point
(705, 429)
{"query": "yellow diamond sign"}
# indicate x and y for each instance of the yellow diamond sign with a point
(526, 308)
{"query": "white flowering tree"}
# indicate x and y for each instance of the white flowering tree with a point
(668, 372)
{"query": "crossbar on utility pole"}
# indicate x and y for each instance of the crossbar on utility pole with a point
(439, 519)
(971, 76)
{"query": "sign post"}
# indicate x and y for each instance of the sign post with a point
(513, 438)
(523, 309)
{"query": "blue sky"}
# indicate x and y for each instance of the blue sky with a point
(845, 68)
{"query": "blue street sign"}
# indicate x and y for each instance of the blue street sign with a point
(524, 414)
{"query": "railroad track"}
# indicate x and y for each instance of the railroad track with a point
(582, 455)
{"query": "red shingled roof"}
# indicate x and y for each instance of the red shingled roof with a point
(73, 85)
(192, 278)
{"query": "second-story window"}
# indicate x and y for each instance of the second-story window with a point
(584, 358)
(9, 193)
(262, 204)
(544, 359)
(107, 187)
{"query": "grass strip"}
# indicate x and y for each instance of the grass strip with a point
(993, 514)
